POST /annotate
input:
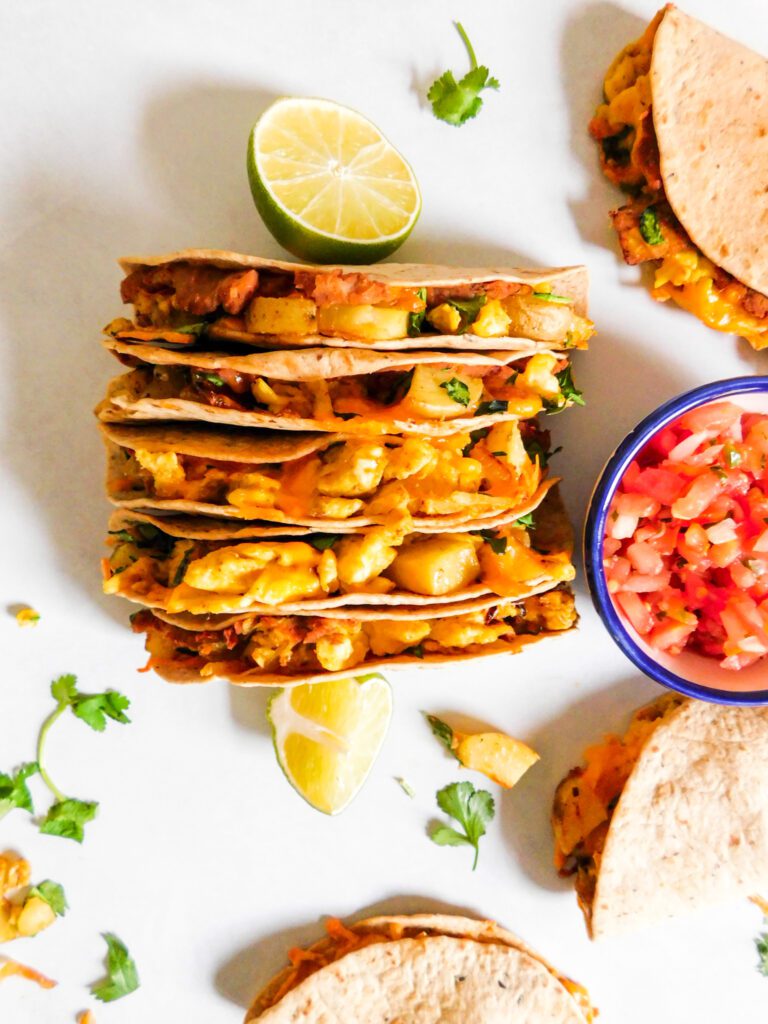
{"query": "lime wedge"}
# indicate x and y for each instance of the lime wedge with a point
(327, 736)
(328, 185)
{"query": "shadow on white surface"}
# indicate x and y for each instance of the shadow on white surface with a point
(592, 38)
(525, 810)
(248, 971)
(248, 705)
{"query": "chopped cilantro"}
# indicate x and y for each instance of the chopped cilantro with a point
(122, 976)
(323, 541)
(457, 390)
(649, 226)
(495, 405)
(442, 731)
(468, 310)
(416, 320)
(562, 300)
(53, 894)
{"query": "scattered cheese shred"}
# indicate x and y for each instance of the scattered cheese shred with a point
(10, 967)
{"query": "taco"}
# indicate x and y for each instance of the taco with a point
(669, 817)
(285, 650)
(326, 481)
(417, 970)
(683, 127)
(207, 566)
(337, 390)
(205, 297)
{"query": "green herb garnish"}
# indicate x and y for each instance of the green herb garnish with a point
(416, 320)
(181, 568)
(122, 976)
(562, 300)
(495, 405)
(53, 894)
(474, 437)
(406, 787)
(322, 541)
(613, 150)
(14, 791)
(417, 651)
(457, 390)
(442, 731)
(536, 450)
(569, 393)
(468, 310)
(456, 102)
(497, 544)
(527, 521)
(68, 815)
(196, 329)
(650, 228)
(472, 808)
(210, 378)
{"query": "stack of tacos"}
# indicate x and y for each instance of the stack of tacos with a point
(320, 469)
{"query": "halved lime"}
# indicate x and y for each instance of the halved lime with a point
(327, 736)
(328, 185)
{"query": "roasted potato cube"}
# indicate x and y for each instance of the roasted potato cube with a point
(427, 398)
(538, 319)
(492, 321)
(35, 915)
(436, 565)
(292, 315)
(503, 759)
(368, 323)
(445, 318)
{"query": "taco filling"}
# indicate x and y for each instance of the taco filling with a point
(296, 645)
(350, 403)
(586, 798)
(216, 576)
(180, 302)
(647, 227)
(473, 474)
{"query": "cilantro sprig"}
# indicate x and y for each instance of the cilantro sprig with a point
(122, 976)
(472, 808)
(443, 732)
(456, 102)
(68, 815)
(650, 227)
(457, 390)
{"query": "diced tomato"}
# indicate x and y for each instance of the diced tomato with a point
(686, 548)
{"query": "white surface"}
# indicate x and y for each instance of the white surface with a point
(124, 130)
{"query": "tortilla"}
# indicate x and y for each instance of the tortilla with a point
(264, 448)
(552, 533)
(691, 826)
(569, 281)
(433, 967)
(710, 113)
(127, 401)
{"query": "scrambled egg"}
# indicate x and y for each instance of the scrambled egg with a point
(378, 478)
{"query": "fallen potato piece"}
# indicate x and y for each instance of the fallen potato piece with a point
(501, 758)
(20, 917)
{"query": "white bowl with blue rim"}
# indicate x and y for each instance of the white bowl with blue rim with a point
(692, 674)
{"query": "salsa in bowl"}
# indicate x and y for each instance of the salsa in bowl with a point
(676, 543)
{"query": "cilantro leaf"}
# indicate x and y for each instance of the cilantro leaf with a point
(406, 787)
(456, 102)
(182, 566)
(122, 976)
(474, 437)
(649, 226)
(66, 818)
(761, 944)
(14, 791)
(498, 545)
(561, 300)
(64, 688)
(95, 708)
(472, 808)
(495, 405)
(468, 310)
(457, 390)
(569, 393)
(442, 731)
(416, 320)
(123, 535)
(53, 894)
(322, 541)
(527, 521)
(416, 651)
(536, 450)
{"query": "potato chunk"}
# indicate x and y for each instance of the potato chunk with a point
(35, 915)
(538, 319)
(441, 394)
(436, 565)
(292, 315)
(368, 323)
(501, 758)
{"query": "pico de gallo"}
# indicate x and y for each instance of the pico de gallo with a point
(686, 540)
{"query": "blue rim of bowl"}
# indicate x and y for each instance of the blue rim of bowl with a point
(594, 531)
